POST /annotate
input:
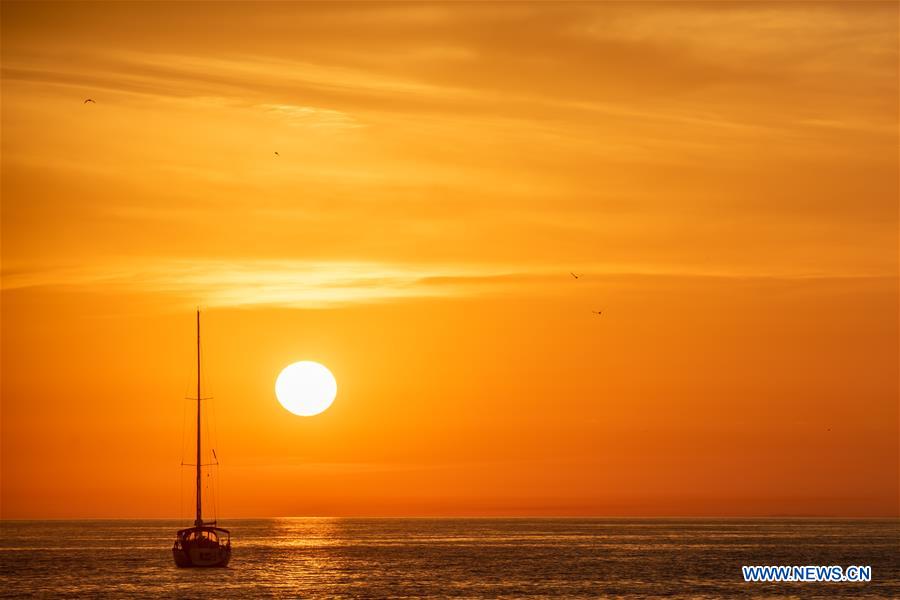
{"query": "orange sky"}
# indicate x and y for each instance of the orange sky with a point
(725, 175)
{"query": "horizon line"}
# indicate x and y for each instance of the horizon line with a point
(485, 517)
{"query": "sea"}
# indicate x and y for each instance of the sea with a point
(449, 558)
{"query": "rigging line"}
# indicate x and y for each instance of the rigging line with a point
(218, 488)
(210, 494)
(181, 469)
(215, 501)
(216, 484)
(208, 410)
(209, 355)
(212, 432)
(215, 418)
(213, 411)
(183, 417)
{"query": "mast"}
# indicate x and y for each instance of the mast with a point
(198, 522)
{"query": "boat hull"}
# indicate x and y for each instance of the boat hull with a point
(201, 557)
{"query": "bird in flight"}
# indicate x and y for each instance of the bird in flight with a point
(597, 312)
(574, 275)
(91, 100)
(277, 155)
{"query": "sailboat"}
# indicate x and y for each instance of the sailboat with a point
(204, 544)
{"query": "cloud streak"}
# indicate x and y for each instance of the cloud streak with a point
(292, 284)
(326, 284)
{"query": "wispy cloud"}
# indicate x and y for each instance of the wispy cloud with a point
(303, 284)
(311, 116)
(294, 284)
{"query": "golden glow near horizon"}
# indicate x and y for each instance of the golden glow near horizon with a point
(724, 176)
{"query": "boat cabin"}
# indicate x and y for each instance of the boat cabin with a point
(204, 546)
(203, 537)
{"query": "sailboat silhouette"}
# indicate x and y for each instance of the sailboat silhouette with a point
(204, 544)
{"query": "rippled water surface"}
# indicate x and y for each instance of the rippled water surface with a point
(474, 558)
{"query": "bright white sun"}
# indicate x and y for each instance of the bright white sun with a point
(305, 388)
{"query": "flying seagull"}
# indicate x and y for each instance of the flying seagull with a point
(574, 275)
(91, 100)
(597, 312)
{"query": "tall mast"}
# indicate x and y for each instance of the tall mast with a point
(198, 522)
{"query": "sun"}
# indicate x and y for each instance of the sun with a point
(305, 388)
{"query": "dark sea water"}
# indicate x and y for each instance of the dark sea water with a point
(460, 558)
